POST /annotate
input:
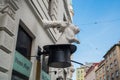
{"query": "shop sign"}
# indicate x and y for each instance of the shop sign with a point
(22, 64)
(45, 76)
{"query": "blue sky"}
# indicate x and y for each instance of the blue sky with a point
(99, 23)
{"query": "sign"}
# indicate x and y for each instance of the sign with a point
(22, 64)
(16, 78)
(45, 76)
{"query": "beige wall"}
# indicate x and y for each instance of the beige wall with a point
(111, 65)
(100, 72)
(91, 75)
(80, 73)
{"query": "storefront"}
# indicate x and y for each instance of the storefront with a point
(45, 76)
(21, 67)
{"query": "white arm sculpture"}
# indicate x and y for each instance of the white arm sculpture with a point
(65, 27)
(60, 25)
(70, 33)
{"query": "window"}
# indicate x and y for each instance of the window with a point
(81, 71)
(115, 62)
(24, 42)
(107, 68)
(117, 73)
(103, 69)
(111, 65)
(100, 72)
(111, 55)
(23, 46)
(96, 73)
(104, 77)
(114, 52)
(112, 76)
(78, 76)
(106, 61)
(108, 77)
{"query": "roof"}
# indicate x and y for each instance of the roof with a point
(100, 65)
(108, 52)
(81, 67)
(91, 68)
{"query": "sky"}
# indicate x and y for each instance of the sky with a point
(99, 23)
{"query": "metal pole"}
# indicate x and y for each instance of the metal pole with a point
(77, 62)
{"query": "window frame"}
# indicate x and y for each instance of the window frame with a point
(21, 31)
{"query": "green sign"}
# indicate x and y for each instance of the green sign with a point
(45, 76)
(22, 64)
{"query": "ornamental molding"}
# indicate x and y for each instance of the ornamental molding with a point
(14, 4)
(9, 7)
(8, 10)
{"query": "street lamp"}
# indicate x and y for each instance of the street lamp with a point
(59, 54)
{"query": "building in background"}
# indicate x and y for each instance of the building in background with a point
(112, 63)
(23, 35)
(100, 72)
(90, 73)
(109, 68)
(80, 73)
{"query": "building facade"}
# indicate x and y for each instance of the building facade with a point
(100, 72)
(80, 73)
(90, 74)
(109, 68)
(24, 32)
(112, 63)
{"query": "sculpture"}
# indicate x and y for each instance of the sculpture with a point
(68, 29)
